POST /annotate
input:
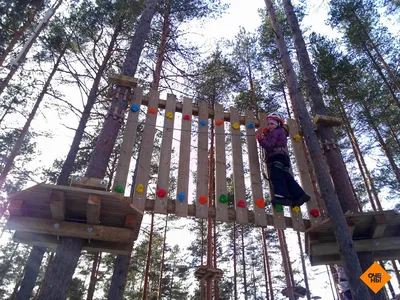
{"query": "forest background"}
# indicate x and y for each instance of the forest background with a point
(220, 51)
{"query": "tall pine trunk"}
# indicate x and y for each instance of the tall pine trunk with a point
(303, 265)
(93, 275)
(243, 263)
(28, 46)
(234, 262)
(32, 114)
(340, 228)
(289, 284)
(162, 259)
(148, 259)
(18, 34)
(268, 276)
(97, 169)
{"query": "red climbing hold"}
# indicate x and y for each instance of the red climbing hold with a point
(152, 111)
(241, 203)
(161, 193)
(314, 212)
(186, 117)
(219, 122)
(202, 199)
(260, 203)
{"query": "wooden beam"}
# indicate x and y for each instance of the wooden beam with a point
(89, 183)
(327, 120)
(70, 229)
(335, 258)
(15, 208)
(130, 221)
(126, 81)
(51, 242)
(57, 205)
(93, 209)
(392, 243)
(231, 214)
(379, 226)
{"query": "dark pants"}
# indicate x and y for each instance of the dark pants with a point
(282, 181)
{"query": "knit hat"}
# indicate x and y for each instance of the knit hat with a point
(272, 121)
(276, 117)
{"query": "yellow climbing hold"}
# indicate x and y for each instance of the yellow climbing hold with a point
(169, 115)
(140, 188)
(296, 209)
(297, 138)
(235, 126)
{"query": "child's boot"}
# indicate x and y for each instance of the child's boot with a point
(301, 200)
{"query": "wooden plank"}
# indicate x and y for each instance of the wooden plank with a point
(220, 166)
(51, 242)
(15, 208)
(131, 221)
(57, 205)
(128, 142)
(126, 81)
(327, 120)
(279, 216)
(255, 171)
(146, 152)
(75, 230)
(184, 161)
(202, 162)
(238, 172)
(305, 179)
(379, 226)
(93, 209)
(88, 183)
(165, 156)
(390, 243)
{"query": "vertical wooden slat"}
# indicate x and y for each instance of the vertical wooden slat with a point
(237, 163)
(146, 151)
(279, 217)
(202, 162)
(181, 207)
(304, 172)
(255, 171)
(221, 213)
(128, 141)
(165, 156)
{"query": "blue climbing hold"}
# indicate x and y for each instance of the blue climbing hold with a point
(135, 108)
(181, 197)
(203, 123)
(250, 126)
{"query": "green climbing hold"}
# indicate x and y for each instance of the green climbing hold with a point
(223, 198)
(278, 208)
(119, 189)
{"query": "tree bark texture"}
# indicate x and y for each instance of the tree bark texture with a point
(118, 280)
(289, 284)
(303, 265)
(59, 275)
(234, 262)
(267, 271)
(162, 259)
(148, 260)
(244, 263)
(32, 268)
(93, 276)
(340, 228)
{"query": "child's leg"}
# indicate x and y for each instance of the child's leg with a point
(281, 193)
(296, 191)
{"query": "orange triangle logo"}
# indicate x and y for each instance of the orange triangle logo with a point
(375, 277)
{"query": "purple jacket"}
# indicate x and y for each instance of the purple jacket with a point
(275, 142)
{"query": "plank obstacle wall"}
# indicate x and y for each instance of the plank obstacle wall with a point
(110, 222)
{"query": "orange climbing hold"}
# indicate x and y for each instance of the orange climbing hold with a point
(260, 203)
(203, 199)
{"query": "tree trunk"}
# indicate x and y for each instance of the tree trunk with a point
(49, 260)
(161, 48)
(146, 272)
(396, 271)
(303, 265)
(162, 259)
(28, 45)
(118, 280)
(68, 164)
(244, 263)
(24, 131)
(343, 238)
(267, 270)
(31, 272)
(6, 266)
(59, 275)
(93, 276)
(17, 35)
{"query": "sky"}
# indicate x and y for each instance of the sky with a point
(240, 14)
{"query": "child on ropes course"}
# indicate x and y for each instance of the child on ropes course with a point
(286, 190)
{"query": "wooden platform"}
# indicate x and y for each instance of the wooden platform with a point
(375, 232)
(107, 221)
(208, 273)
